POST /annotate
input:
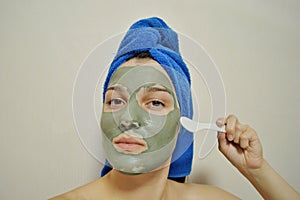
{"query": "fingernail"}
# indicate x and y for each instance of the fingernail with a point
(230, 137)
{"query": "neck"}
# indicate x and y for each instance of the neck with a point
(151, 185)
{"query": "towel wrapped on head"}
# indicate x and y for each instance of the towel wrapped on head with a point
(156, 37)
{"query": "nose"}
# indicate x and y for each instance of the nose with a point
(127, 125)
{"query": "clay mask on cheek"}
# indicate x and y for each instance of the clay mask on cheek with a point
(137, 140)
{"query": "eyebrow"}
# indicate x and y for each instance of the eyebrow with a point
(116, 88)
(156, 89)
(120, 89)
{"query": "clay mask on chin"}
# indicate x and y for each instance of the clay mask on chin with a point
(137, 140)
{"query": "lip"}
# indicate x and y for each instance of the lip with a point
(127, 144)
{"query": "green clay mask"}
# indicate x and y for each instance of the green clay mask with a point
(140, 119)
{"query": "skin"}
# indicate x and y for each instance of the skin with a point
(239, 144)
(149, 103)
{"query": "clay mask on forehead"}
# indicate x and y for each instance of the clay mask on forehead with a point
(139, 119)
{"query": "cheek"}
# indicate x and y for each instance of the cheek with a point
(157, 130)
(168, 132)
(109, 125)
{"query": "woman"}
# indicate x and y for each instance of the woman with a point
(146, 91)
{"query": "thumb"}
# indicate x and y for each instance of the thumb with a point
(223, 143)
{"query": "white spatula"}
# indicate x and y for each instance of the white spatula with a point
(194, 126)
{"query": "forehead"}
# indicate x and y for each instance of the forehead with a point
(145, 62)
(133, 75)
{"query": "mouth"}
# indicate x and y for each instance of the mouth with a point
(127, 144)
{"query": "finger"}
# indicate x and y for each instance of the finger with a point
(237, 134)
(230, 127)
(246, 137)
(239, 130)
(223, 142)
(244, 140)
(242, 127)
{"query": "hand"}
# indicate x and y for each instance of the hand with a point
(240, 144)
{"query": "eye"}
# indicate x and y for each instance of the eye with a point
(155, 105)
(116, 103)
(155, 100)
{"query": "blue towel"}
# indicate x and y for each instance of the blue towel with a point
(156, 37)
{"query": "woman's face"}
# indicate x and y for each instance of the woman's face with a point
(140, 117)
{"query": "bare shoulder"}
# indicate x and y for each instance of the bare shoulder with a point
(88, 191)
(198, 191)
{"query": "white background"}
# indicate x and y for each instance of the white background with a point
(255, 44)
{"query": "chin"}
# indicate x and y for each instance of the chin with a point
(135, 164)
